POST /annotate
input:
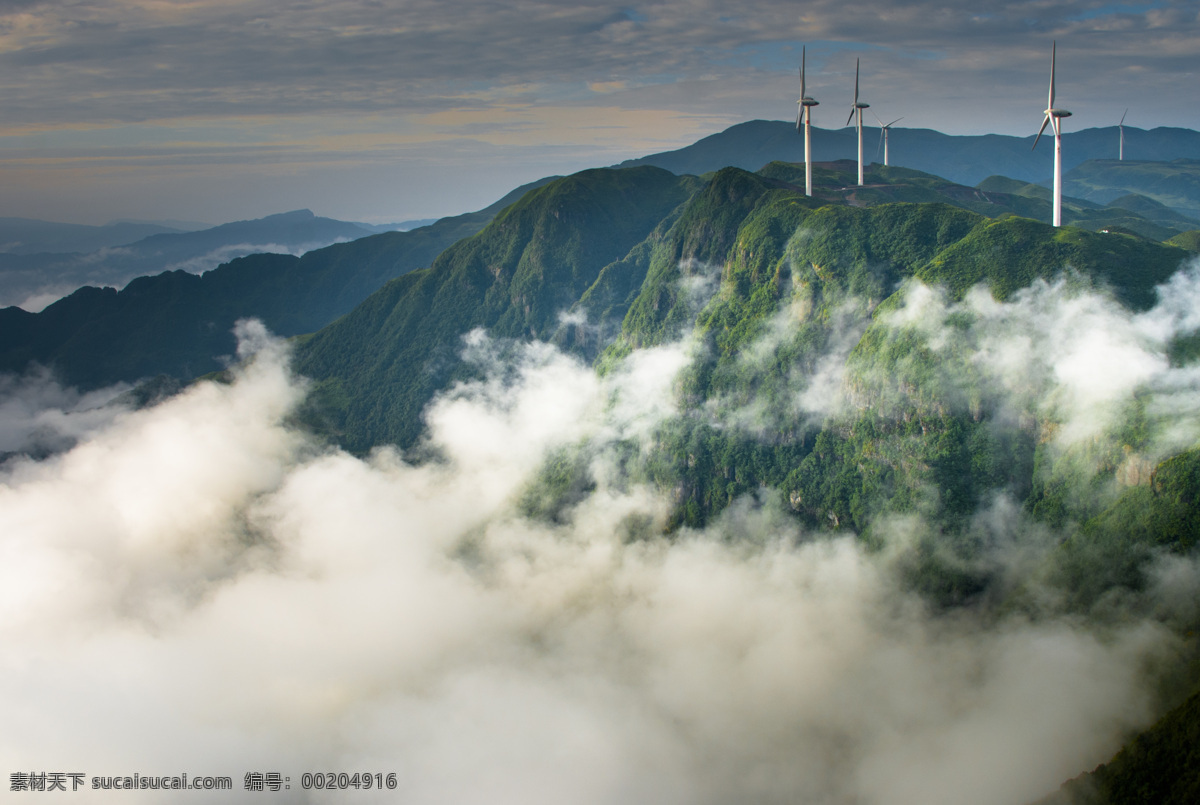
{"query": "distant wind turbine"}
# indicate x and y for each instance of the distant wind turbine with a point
(1121, 126)
(1054, 116)
(804, 115)
(883, 136)
(858, 107)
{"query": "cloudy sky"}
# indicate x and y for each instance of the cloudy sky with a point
(385, 110)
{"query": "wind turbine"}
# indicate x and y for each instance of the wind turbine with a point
(858, 107)
(804, 116)
(1121, 126)
(883, 136)
(1054, 116)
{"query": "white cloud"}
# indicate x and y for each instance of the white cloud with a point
(197, 587)
(1057, 353)
(37, 414)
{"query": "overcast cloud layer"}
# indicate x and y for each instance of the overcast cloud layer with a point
(225, 110)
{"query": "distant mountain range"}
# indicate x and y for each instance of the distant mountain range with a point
(179, 323)
(963, 159)
(33, 280)
(31, 236)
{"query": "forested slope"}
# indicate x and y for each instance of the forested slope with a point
(180, 324)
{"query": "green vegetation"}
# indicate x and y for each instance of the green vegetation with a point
(180, 324)
(1160, 766)
(768, 282)
(1131, 214)
(377, 368)
(773, 287)
(1189, 240)
(1111, 549)
(1010, 253)
(1174, 184)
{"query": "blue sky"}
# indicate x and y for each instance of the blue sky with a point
(216, 110)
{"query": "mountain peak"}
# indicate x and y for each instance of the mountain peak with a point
(294, 215)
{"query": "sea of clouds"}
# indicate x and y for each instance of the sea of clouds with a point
(201, 586)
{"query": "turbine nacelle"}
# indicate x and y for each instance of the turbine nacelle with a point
(805, 102)
(1051, 113)
(857, 106)
(884, 128)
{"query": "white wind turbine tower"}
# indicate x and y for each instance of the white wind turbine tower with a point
(858, 107)
(804, 115)
(883, 135)
(1054, 116)
(1121, 126)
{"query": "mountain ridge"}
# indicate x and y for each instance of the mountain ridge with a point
(965, 159)
(30, 279)
(650, 308)
(180, 324)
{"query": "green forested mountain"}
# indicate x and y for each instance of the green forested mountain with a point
(377, 367)
(1189, 240)
(1174, 184)
(773, 289)
(1160, 766)
(180, 324)
(722, 267)
(1131, 214)
(994, 197)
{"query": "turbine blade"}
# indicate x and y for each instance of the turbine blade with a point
(1039, 134)
(1122, 123)
(799, 115)
(851, 117)
(803, 94)
(856, 82)
(894, 122)
(876, 118)
(878, 148)
(1053, 53)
